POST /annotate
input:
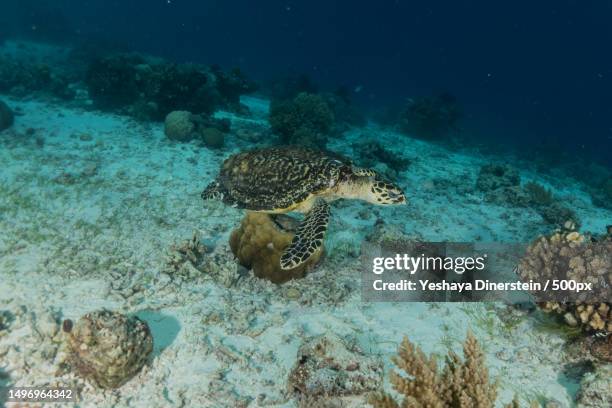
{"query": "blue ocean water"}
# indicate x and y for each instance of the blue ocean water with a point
(527, 73)
(193, 194)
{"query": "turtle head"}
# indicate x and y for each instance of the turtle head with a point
(381, 192)
(368, 185)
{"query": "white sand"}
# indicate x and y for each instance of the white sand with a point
(87, 224)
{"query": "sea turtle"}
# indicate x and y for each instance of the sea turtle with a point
(283, 179)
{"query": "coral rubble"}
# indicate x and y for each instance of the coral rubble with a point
(569, 255)
(108, 348)
(304, 120)
(327, 367)
(259, 243)
(596, 389)
(461, 383)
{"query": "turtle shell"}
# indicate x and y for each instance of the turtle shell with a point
(276, 179)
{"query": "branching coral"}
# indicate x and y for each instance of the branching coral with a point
(304, 120)
(460, 384)
(569, 255)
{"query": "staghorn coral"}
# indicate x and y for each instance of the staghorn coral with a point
(574, 256)
(304, 120)
(108, 348)
(460, 384)
(259, 243)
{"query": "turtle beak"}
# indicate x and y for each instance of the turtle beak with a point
(386, 193)
(397, 196)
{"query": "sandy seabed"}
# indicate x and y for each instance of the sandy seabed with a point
(91, 205)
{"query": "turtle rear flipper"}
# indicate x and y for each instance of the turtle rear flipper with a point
(308, 238)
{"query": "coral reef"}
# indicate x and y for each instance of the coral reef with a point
(372, 154)
(259, 243)
(574, 256)
(184, 126)
(305, 120)
(108, 348)
(345, 112)
(289, 86)
(501, 184)
(7, 117)
(431, 117)
(151, 88)
(461, 383)
(327, 367)
(21, 77)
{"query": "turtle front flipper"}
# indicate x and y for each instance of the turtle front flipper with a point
(308, 238)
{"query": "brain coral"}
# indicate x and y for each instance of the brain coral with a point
(259, 243)
(108, 348)
(179, 126)
(573, 256)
